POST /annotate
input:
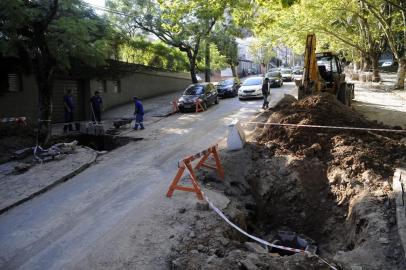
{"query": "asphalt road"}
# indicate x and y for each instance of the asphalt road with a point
(114, 215)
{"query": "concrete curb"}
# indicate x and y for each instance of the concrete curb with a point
(52, 185)
(399, 188)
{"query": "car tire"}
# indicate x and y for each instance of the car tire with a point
(216, 101)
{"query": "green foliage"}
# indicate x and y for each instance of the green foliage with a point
(217, 60)
(181, 24)
(74, 32)
(262, 50)
(156, 54)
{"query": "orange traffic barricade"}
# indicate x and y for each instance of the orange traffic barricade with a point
(199, 106)
(186, 165)
(175, 107)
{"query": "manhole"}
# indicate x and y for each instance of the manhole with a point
(293, 240)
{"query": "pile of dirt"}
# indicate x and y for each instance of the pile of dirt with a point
(333, 186)
(355, 152)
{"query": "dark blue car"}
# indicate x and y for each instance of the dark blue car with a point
(228, 87)
(205, 93)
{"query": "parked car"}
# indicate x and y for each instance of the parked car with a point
(275, 78)
(297, 74)
(228, 87)
(206, 93)
(274, 69)
(387, 64)
(286, 74)
(251, 88)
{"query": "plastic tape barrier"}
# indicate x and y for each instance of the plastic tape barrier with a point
(259, 240)
(328, 127)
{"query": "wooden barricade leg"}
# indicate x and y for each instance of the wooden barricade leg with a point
(194, 182)
(199, 107)
(217, 166)
(174, 185)
(220, 169)
(201, 162)
(175, 181)
(175, 107)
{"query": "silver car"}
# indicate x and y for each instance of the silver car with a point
(251, 88)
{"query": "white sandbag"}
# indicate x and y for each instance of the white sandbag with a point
(236, 137)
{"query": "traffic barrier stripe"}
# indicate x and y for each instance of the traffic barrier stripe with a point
(18, 120)
(327, 127)
(186, 165)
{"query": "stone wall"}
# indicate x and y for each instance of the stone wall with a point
(143, 84)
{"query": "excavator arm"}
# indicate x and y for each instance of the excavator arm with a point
(327, 77)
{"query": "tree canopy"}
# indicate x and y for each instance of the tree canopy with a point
(46, 35)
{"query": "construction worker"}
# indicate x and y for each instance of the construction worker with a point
(138, 113)
(68, 106)
(97, 106)
(265, 92)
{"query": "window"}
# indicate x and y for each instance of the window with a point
(116, 86)
(194, 90)
(102, 88)
(14, 83)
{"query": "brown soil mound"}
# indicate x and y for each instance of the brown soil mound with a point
(332, 186)
(352, 151)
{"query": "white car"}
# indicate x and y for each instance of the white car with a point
(387, 64)
(297, 75)
(286, 74)
(251, 88)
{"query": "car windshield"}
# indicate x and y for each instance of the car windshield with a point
(226, 82)
(252, 81)
(273, 74)
(194, 90)
(286, 71)
(298, 72)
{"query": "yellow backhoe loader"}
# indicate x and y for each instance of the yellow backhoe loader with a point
(323, 73)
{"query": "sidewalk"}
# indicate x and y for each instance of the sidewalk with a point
(155, 109)
(377, 102)
(18, 188)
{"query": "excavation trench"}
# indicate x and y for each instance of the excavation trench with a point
(331, 187)
(291, 205)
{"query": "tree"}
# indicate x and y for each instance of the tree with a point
(179, 23)
(138, 50)
(46, 35)
(262, 52)
(340, 25)
(228, 47)
(392, 20)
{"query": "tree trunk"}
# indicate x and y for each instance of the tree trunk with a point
(207, 71)
(366, 62)
(45, 84)
(400, 79)
(375, 68)
(192, 65)
(234, 71)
